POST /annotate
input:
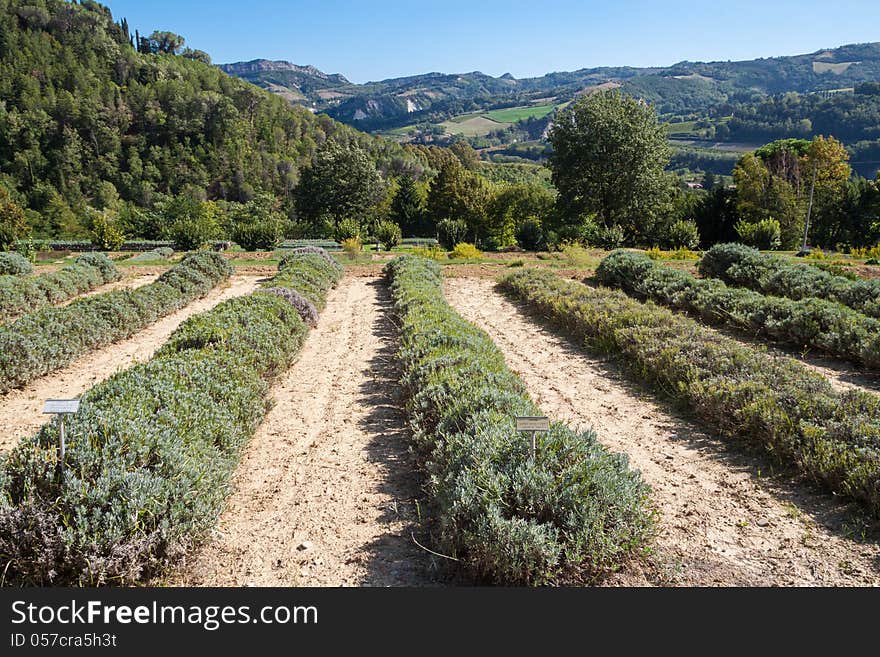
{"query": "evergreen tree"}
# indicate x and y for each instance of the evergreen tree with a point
(408, 210)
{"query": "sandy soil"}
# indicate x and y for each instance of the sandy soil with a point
(841, 374)
(324, 495)
(20, 410)
(723, 521)
(130, 281)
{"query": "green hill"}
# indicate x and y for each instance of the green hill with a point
(85, 116)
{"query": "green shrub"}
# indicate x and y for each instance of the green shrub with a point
(577, 256)
(574, 511)
(312, 274)
(816, 323)
(739, 265)
(388, 233)
(774, 402)
(259, 236)
(348, 229)
(682, 235)
(193, 232)
(352, 247)
(104, 232)
(42, 341)
(27, 294)
(14, 264)
(530, 235)
(605, 237)
(463, 250)
(765, 234)
(161, 253)
(451, 232)
(150, 451)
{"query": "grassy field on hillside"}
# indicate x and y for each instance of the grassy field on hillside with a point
(514, 114)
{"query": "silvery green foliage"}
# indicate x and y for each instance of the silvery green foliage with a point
(152, 448)
(42, 341)
(25, 294)
(14, 264)
(813, 323)
(292, 254)
(160, 253)
(310, 273)
(304, 307)
(740, 265)
(775, 403)
(574, 512)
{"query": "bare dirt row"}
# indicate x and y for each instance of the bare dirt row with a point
(21, 409)
(325, 493)
(722, 520)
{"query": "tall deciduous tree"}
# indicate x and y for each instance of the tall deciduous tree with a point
(609, 155)
(341, 183)
(776, 182)
(459, 195)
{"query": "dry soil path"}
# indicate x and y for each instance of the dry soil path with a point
(20, 409)
(324, 495)
(130, 281)
(721, 523)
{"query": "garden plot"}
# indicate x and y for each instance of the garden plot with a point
(21, 409)
(721, 522)
(132, 281)
(324, 494)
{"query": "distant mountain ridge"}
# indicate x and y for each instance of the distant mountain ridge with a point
(682, 87)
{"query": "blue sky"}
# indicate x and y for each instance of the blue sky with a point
(377, 40)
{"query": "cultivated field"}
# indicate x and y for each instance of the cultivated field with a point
(279, 419)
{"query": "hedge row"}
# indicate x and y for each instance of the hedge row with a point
(42, 341)
(817, 323)
(773, 402)
(150, 452)
(744, 266)
(575, 511)
(311, 271)
(14, 264)
(26, 294)
(128, 245)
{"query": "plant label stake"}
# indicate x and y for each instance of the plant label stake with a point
(60, 408)
(533, 425)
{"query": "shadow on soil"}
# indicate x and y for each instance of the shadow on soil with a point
(841, 518)
(394, 559)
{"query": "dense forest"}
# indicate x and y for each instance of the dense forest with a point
(91, 114)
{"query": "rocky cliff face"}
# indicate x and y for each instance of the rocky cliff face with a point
(257, 66)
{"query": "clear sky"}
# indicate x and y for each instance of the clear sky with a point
(391, 38)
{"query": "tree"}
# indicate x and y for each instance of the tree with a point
(784, 178)
(341, 183)
(258, 224)
(13, 223)
(167, 43)
(609, 155)
(408, 209)
(190, 223)
(198, 55)
(388, 233)
(459, 195)
(708, 181)
(465, 154)
(513, 205)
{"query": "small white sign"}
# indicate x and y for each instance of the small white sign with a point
(532, 423)
(61, 406)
